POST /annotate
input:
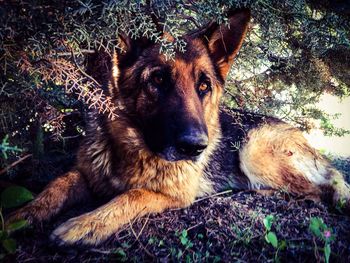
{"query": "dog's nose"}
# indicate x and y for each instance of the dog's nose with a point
(192, 144)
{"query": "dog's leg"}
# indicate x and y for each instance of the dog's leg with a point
(339, 189)
(278, 156)
(64, 191)
(95, 227)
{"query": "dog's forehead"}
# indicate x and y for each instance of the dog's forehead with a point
(194, 50)
(195, 56)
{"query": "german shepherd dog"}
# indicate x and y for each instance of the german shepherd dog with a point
(172, 141)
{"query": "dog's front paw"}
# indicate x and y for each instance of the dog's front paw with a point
(31, 214)
(81, 230)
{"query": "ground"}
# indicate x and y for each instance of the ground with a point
(222, 228)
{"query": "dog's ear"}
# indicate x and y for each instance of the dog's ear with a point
(113, 84)
(126, 53)
(224, 41)
(130, 48)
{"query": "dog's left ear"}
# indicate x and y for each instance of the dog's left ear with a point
(224, 41)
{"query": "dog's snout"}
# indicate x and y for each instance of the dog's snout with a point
(192, 144)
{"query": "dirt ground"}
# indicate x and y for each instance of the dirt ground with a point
(223, 228)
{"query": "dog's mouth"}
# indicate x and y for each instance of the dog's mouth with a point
(173, 154)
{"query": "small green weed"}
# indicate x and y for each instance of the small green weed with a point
(185, 240)
(6, 148)
(324, 233)
(271, 237)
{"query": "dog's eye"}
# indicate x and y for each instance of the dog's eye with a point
(204, 87)
(158, 78)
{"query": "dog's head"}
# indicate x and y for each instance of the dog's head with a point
(175, 103)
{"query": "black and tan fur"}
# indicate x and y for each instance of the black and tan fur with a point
(171, 143)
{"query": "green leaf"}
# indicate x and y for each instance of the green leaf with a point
(17, 225)
(327, 252)
(179, 254)
(183, 240)
(271, 238)
(14, 196)
(183, 237)
(10, 245)
(283, 245)
(268, 220)
(151, 240)
(315, 224)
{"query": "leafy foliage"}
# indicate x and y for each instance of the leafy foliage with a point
(11, 197)
(15, 196)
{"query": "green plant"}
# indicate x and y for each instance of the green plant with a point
(271, 237)
(185, 240)
(5, 147)
(183, 253)
(12, 197)
(322, 232)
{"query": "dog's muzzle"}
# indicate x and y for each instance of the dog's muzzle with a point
(188, 146)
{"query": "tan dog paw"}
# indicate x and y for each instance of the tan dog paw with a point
(81, 230)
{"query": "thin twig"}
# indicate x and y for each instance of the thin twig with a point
(143, 227)
(104, 252)
(83, 72)
(2, 220)
(316, 253)
(67, 54)
(137, 238)
(210, 196)
(191, 227)
(14, 163)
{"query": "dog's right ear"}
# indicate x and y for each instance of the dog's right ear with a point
(126, 53)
